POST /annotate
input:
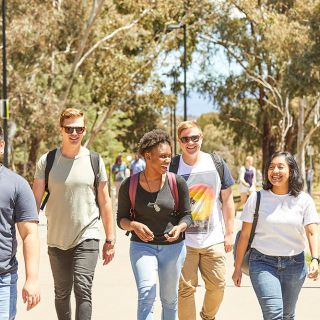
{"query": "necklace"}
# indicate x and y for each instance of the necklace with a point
(154, 204)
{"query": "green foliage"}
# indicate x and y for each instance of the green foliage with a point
(64, 54)
(271, 48)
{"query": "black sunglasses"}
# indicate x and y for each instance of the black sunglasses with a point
(191, 138)
(69, 130)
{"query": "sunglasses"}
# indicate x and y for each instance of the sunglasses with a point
(69, 130)
(191, 138)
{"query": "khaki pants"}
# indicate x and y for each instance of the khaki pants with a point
(211, 262)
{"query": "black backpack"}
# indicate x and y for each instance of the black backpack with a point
(217, 160)
(94, 159)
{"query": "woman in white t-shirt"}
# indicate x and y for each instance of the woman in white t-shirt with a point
(277, 265)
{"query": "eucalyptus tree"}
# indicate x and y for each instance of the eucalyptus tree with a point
(262, 42)
(97, 55)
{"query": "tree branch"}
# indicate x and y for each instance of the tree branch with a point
(108, 37)
(95, 11)
(238, 120)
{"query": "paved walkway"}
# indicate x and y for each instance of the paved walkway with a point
(114, 292)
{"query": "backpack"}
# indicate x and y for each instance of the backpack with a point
(174, 165)
(133, 184)
(94, 159)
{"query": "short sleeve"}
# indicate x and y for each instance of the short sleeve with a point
(241, 173)
(41, 167)
(310, 212)
(25, 205)
(249, 208)
(227, 177)
(102, 170)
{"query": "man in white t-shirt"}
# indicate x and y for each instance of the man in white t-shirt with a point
(211, 234)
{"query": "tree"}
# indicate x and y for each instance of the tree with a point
(96, 55)
(260, 40)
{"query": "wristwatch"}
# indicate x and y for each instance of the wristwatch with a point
(111, 242)
(315, 258)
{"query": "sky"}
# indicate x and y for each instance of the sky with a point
(196, 105)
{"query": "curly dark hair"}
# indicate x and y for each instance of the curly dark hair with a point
(1, 134)
(295, 177)
(152, 139)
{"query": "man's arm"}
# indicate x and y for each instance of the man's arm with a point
(28, 231)
(107, 220)
(38, 189)
(228, 212)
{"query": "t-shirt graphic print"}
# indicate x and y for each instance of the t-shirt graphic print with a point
(202, 192)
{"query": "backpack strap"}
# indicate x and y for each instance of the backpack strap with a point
(174, 165)
(218, 164)
(95, 164)
(49, 162)
(255, 219)
(174, 189)
(133, 185)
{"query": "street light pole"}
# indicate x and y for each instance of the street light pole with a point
(184, 27)
(185, 73)
(4, 86)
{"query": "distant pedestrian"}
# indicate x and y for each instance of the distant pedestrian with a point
(118, 169)
(309, 179)
(137, 164)
(247, 180)
(17, 208)
(277, 265)
(157, 248)
(78, 198)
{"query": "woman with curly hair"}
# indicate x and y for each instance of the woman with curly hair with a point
(157, 248)
(277, 265)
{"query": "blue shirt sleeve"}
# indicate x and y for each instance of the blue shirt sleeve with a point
(227, 177)
(25, 206)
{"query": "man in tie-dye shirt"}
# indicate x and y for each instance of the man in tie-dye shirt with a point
(210, 235)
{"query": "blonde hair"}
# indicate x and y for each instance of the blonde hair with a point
(187, 125)
(70, 113)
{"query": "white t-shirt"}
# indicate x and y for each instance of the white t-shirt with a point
(204, 188)
(280, 228)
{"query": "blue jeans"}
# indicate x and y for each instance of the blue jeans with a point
(277, 282)
(150, 261)
(74, 268)
(8, 296)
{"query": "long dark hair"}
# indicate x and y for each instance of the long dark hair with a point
(295, 177)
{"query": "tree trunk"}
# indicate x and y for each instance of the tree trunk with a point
(300, 138)
(32, 158)
(267, 141)
(290, 139)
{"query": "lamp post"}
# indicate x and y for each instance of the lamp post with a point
(174, 89)
(184, 27)
(4, 86)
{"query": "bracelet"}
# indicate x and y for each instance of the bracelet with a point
(315, 258)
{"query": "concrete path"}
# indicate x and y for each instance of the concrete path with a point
(115, 298)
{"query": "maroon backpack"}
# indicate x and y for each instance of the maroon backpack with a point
(133, 190)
